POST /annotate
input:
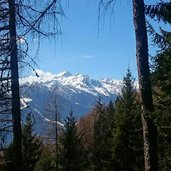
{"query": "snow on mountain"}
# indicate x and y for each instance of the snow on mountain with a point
(64, 74)
(73, 92)
(80, 82)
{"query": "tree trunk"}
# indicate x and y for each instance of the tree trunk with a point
(16, 113)
(149, 128)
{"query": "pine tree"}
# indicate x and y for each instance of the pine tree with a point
(162, 103)
(110, 112)
(149, 127)
(110, 109)
(47, 159)
(71, 151)
(102, 137)
(162, 81)
(160, 12)
(127, 133)
(32, 146)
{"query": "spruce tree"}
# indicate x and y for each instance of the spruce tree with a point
(149, 127)
(162, 81)
(71, 151)
(110, 112)
(47, 159)
(162, 103)
(160, 12)
(102, 137)
(127, 133)
(32, 146)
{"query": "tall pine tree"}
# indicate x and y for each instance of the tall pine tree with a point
(162, 101)
(32, 146)
(162, 81)
(71, 151)
(102, 137)
(127, 133)
(149, 127)
(47, 160)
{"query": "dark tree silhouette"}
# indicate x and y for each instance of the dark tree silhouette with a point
(149, 128)
(71, 152)
(20, 20)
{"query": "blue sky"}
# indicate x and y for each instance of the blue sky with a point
(81, 49)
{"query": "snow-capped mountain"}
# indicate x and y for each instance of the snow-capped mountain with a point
(78, 93)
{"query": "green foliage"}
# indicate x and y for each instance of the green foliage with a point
(161, 79)
(162, 103)
(9, 158)
(118, 142)
(32, 146)
(160, 11)
(47, 160)
(162, 74)
(127, 134)
(71, 152)
(102, 156)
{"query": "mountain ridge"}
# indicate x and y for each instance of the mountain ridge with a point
(78, 93)
(78, 81)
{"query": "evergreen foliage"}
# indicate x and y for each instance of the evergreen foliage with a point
(161, 78)
(102, 137)
(47, 160)
(71, 152)
(127, 134)
(160, 12)
(162, 100)
(31, 146)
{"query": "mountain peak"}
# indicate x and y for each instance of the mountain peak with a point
(78, 92)
(64, 74)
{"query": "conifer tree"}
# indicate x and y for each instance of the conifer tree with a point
(127, 133)
(162, 105)
(149, 127)
(160, 12)
(162, 101)
(162, 81)
(32, 146)
(71, 151)
(102, 135)
(47, 159)
(110, 109)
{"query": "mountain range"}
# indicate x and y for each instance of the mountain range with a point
(45, 93)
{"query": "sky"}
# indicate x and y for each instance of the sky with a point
(85, 50)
